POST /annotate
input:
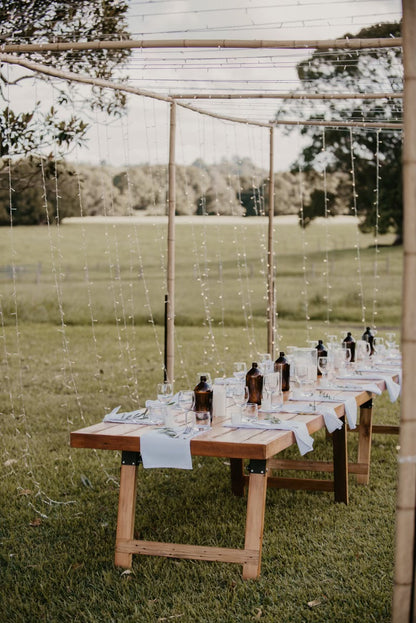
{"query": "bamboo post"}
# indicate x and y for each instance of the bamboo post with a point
(404, 575)
(270, 257)
(253, 44)
(170, 320)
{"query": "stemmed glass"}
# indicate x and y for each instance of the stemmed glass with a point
(164, 392)
(240, 370)
(186, 400)
(240, 395)
(323, 367)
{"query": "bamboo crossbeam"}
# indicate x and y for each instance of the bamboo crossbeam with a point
(287, 96)
(340, 124)
(98, 82)
(225, 117)
(70, 75)
(324, 44)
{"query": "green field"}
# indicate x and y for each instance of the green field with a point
(82, 331)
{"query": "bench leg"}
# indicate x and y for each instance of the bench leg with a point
(340, 457)
(256, 502)
(364, 440)
(126, 513)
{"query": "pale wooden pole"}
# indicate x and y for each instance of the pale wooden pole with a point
(170, 320)
(270, 256)
(253, 44)
(287, 96)
(404, 574)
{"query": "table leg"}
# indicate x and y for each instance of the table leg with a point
(364, 440)
(237, 477)
(256, 502)
(340, 458)
(126, 511)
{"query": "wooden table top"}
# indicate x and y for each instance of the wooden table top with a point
(220, 440)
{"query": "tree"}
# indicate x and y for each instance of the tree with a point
(376, 70)
(40, 21)
(34, 198)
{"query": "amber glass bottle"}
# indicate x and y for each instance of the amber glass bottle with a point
(369, 337)
(203, 396)
(321, 352)
(254, 382)
(283, 366)
(350, 344)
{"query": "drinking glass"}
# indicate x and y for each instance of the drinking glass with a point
(240, 394)
(164, 392)
(240, 370)
(251, 412)
(362, 351)
(323, 366)
(186, 400)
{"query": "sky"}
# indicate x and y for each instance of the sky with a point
(142, 136)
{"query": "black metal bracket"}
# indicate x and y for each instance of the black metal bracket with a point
(131, 458)
(257, 466)
(368, 404)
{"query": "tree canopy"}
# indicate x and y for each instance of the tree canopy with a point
(360, 153)
(41, 21)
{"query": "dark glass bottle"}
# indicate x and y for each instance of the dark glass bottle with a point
(254, 382)
(350, 344)
(369, 337)
(321, 352)
(283, 366)
(203, 396)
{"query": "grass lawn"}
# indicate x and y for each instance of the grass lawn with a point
(87, 336)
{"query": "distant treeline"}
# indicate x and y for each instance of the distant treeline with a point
(41, 190)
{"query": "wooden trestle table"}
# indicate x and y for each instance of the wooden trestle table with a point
(259, 448)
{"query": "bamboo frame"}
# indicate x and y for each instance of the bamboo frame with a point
(287, 96)
(98, 82)
(325, 44)
(270, 256)
(404, 575)
(170, 321)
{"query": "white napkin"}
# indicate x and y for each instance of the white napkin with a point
(354, 387)
(392, 387)
(303, 438)
(128, 417)
(332, 421)
(166, 448)
(350, 406)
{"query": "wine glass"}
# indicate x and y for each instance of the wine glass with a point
(186, 400)
(240, 395)
(240, 370)
(164, 392)
(323, 367)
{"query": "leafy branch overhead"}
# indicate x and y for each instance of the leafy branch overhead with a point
(42, 21)
(339, 149)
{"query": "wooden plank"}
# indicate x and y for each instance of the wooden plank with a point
(194, 552)
(340, 457)
(302, 484)
(315, 466)
(364, 440)
(256, 502)
(126, 513)
(237, 477)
